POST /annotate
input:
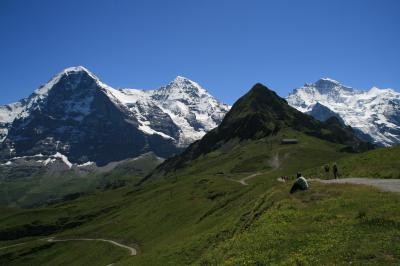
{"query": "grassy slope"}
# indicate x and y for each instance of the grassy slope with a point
(39, 189)
(83, 253)
(379, 163)
(195, 214)
(328, 225)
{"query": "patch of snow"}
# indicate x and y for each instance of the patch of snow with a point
(86, 164)
(25, 157)
(10, 111)
(144, 127)
(63, 158)
(48, 160)
(53, 158)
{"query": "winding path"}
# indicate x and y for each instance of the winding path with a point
(10, 246)
(275, 163)
(132, 250)
(22, 243)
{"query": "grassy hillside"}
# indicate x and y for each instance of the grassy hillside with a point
(191, 215)
(83, 253)
(328, 225)
(378, 163)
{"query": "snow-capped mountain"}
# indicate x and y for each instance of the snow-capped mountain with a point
(189, 109)
(374, 114)
(77, 116)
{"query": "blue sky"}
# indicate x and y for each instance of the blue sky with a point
(226, 46)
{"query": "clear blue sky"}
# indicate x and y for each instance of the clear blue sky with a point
(226, 46)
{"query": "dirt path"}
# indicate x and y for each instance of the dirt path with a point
(391, 185)
(132, 250)
(10, 246)
(22, 243)
(274, 162)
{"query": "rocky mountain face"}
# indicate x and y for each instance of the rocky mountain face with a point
(261, 113)
(373, 114)
(78, 119)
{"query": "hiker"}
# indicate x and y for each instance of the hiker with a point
(300, 184)
(335, 171)
(327, 168)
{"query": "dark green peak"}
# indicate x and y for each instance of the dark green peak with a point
(258, 86)
(260, 92)
(260, 89)
(258, 113)
(259, 99)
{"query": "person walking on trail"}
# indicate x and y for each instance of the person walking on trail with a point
(300, 184)
(327, 168)
(335, 171)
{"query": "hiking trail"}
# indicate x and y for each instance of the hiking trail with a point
(388, 185)
(132, 250)
(274, 163)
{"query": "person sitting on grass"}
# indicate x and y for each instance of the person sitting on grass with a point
(300, 184)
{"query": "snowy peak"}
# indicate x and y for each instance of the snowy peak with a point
(83, 118)
(181, 88)
(183, 105)
(77, 70)
(327, 82)
(374, 113)
(186, 84)
(69, 93)
(73, 74)
(375, 91)
(182, 81)
(328, 86)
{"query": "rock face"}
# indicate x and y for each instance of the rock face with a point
(373, 114)
(323, 113)
(79, 117)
